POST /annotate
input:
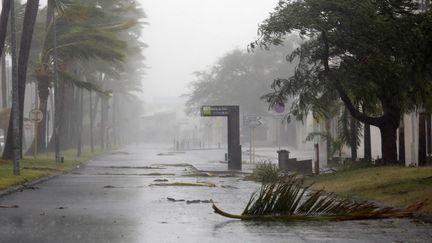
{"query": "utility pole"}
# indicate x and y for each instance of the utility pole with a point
(56, 97)
(15, 100)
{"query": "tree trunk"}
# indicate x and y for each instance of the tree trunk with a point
(388, 144)
(3, 23)
(329, 139)
(367, 143)
(43, 90)
(91, 122)
(4, 81)
(353, 135)
(104, 115)
(402, 142)
(429, 134)
(80, 121)
(422, 139)
(25, 45)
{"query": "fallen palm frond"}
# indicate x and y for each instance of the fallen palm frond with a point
(287, 200)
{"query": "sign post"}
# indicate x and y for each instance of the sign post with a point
(252, 121)
(36, 116)
(234, 147)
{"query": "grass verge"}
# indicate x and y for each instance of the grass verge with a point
(396, 186)
(44, 165)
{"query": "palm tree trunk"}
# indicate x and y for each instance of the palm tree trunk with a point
(91, 122)
(104, 116)
(29, 21)
(429, 134)
(402, 142)
(4, 81)
(43, 90)
(367, 143)
(80, 122)
(3, 23)
(353, 142)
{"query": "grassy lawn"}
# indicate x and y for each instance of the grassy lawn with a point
(44, 165)
(397, 186)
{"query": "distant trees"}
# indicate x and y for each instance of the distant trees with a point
(371, 54)
(241, 77)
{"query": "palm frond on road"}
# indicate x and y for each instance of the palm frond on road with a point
(288, 200)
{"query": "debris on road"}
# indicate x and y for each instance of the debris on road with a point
(8, 206)
(208, 184)
(175, 200)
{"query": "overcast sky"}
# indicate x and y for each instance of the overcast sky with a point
(189, 35)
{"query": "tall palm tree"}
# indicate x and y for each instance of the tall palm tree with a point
(24, 53)
(82, 36)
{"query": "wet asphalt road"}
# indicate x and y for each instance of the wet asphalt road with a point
(112, 199)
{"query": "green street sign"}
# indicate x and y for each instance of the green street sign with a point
(215, 110)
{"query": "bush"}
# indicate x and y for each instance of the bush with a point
(266, 171)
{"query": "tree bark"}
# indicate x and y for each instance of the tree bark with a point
(402, 142)
(422, 139)
(103, 125)
(44, 92)
(353, 135)
(4, 81)
(29, 21)
(429, 134)
(367, 143)
(80, 122)
(388, 144)
(91, 122)
(3, 23)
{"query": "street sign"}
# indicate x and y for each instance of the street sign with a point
(215, 110)
(232, 113)
(251, 118)
(279, 107)
(36, 115)
(254, 123)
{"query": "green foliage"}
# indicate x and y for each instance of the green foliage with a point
(266, 171)
(345, 131)
(241, 77)
(289, 200)
(370, 54)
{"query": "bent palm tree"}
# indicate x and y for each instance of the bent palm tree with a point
(81, 36)
(287, 200)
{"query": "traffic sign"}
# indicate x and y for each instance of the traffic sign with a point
(279, 107)
(215, 110)
(36, 115)
(254, 123)
(251, 118)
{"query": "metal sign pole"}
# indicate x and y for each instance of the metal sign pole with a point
(253, 142)
(250, 144)
(36, 139)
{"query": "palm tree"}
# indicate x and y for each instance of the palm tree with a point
(24, 53)
(81, 36)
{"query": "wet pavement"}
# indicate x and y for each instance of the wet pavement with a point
(114, 199)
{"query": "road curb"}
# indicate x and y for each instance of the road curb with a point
(25, 185)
